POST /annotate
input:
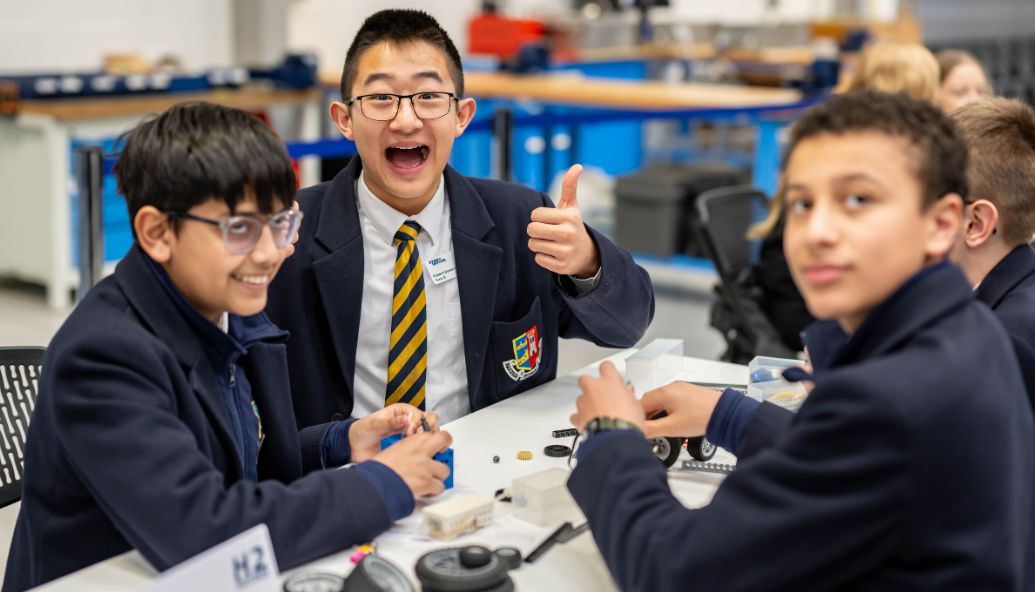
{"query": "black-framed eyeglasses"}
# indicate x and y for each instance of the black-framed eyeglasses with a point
(385, 106)
(241, 232)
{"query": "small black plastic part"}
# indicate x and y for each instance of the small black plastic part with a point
(557, 450)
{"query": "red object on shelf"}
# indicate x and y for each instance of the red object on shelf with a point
(502, 37)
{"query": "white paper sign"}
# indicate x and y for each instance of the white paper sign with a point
(244, 563)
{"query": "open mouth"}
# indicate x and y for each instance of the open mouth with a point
(407, 157)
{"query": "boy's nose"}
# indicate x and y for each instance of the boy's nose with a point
(406, 118)
(265, 250)
(822, 225)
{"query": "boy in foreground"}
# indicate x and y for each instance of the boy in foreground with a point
(909, 466)
(164, 421)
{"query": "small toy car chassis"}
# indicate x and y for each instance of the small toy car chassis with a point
(667, 449)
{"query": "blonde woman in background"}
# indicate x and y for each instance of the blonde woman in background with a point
(962, 79)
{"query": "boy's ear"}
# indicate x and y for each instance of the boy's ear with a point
(465, 109)
(342, 119)
(944, 219)
(980, 220)
(154, 233)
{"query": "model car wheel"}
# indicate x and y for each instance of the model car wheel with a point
(666, 449)
(700, 448)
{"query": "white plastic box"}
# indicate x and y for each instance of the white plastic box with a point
(543, 499)
(461, 514)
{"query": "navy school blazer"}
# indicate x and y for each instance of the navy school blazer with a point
(130, 446)
(504, 293)
(909, 467)
(1009, 290)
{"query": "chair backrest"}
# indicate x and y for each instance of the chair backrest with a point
(725, 214)
(19, 384)
(724, 217)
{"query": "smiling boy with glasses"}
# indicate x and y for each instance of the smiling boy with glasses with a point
(164, 421)
(413, 283)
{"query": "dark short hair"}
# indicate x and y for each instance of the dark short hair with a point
(1000, 134)
(940, 156)
(195, 152)
(399, 26)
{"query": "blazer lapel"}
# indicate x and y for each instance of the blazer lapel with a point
(159, 314)
(339, 273)
(477, 272)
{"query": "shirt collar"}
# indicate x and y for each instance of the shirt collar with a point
(387, 220)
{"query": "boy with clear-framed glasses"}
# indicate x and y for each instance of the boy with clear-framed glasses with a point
(414, 283)
(164, 422)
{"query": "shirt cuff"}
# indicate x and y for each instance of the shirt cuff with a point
(583, 285)
(396, 494)
(335, 448)
(730, 419)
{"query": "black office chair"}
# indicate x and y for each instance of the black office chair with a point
(19, 384)
(724, 216)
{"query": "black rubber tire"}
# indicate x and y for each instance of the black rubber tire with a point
(700, 448)
(666, 449)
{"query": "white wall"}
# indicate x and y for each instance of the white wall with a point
(64, 35)
(326, 27)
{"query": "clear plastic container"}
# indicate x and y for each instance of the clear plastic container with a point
(766, 383)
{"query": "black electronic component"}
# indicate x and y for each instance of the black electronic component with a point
(376, 574)
(510, 556)
(567, 433)
(473, 568)
(557, 450)
(314, 582)
(496, 458)
(563, 534)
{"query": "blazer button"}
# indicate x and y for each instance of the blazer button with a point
(337, 417)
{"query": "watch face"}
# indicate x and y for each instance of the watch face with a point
(314, 582)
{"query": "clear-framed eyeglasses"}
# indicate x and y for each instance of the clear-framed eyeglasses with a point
(385, 106)
(241, 232)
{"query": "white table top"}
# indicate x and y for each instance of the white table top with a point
(524, 422)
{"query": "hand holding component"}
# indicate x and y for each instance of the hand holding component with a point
(688, 407)
(411, 459)
(607, 396)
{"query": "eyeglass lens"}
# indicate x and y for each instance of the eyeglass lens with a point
(429, 105)
(241, 233)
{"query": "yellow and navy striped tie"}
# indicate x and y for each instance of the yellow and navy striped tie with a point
(408, 345)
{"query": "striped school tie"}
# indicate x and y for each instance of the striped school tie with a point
(408, 345)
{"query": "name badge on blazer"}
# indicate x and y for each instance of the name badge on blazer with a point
(441, 268)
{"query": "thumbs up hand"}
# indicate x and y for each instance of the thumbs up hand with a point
(558, 236)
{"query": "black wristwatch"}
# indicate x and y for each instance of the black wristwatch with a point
(607, 424)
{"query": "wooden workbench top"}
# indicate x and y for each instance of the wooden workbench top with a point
(624, 94)
(248, 99)
(573, 89)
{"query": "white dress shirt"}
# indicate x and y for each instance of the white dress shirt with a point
(446, 383)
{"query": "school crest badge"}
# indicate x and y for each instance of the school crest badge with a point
(527, 351)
